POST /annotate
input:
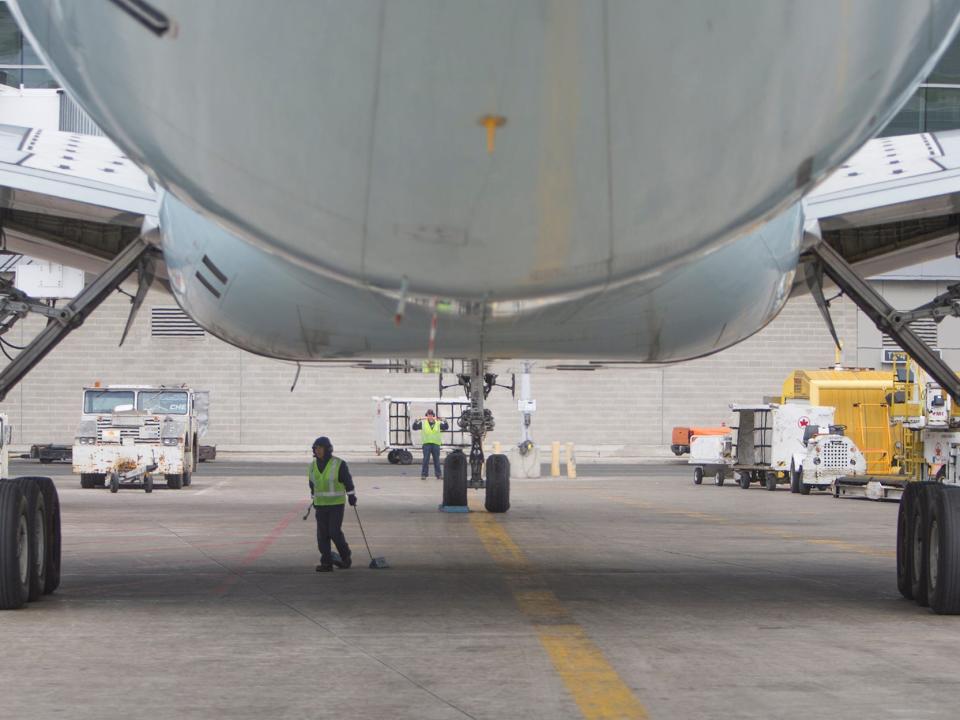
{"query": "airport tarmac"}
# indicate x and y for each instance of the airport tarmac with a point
(616, 595)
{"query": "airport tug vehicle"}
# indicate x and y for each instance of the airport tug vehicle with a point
(29, 533)
(772, 443)
(128, 433)
(829, 456)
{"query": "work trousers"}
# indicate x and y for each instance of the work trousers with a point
(431, 450)
(329, 521)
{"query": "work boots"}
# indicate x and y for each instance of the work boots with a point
(343, 563)
(324, 568)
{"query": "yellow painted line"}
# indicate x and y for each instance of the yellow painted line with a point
(784, 534)
(596, 688)
(498, 544)
(853, 547)
(594, 684)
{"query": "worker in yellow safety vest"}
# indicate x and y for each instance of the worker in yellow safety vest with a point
(331, 487)
(430, 439)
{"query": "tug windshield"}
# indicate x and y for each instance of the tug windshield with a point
(163, 402)
(104, 401)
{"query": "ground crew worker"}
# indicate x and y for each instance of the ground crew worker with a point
(331, 486)
(431, 440)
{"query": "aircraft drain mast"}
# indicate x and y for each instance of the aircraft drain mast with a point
(491, 473)
(526, 455)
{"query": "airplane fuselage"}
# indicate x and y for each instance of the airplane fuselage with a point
(553, 179)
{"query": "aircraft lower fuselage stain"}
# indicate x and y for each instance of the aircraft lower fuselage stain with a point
(634, 189)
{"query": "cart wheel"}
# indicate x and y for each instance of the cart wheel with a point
(392, 457)
(743, 477)
(406, 457)
(697, 475)
(114, 482)
(771, 480)
(718, 478)
(795, 476)
(148, 484)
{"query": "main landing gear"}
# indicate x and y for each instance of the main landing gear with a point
(928, 523)
(928, 546)
(29, 540)
(492, 475)
(30, 506)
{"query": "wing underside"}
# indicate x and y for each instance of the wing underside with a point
(895, 203)
(69, 198)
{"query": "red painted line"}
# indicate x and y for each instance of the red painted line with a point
(255, 553)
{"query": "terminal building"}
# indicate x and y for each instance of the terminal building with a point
(259, 404)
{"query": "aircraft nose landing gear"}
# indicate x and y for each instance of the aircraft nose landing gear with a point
(478, 424)
(478, 421)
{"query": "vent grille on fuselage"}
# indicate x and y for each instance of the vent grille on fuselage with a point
(172, 322)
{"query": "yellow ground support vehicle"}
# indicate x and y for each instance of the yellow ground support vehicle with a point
(861, 405)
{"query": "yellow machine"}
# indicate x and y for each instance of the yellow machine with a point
(929, 419)
(860, 399)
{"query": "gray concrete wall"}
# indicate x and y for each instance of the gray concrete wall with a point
(616, 411)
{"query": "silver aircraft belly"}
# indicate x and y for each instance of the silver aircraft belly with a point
(492, 149)
(266, 304)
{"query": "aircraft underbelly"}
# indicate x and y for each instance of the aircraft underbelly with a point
(493, 149)
(264, 303)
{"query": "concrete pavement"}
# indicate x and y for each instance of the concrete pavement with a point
(627, 593)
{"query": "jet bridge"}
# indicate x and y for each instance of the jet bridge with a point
(68, 318)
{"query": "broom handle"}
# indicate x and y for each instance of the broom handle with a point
(362, 532)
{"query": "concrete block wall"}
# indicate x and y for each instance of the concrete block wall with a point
(620, 411)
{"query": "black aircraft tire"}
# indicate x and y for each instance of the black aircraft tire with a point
(943, 578)
(174, 481)
(455, 480)
(14, 523)
(38, 520)
(796, 476)
(54, 541)
(905, 540)
(920, 522)
(497, 499)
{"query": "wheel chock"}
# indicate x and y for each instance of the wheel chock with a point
(453, 508)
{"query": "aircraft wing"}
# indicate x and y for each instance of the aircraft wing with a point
(69, 198)
(895, 203)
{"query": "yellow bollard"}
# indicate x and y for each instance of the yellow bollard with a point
(496, 447)
(555, 459)
(571, 462)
